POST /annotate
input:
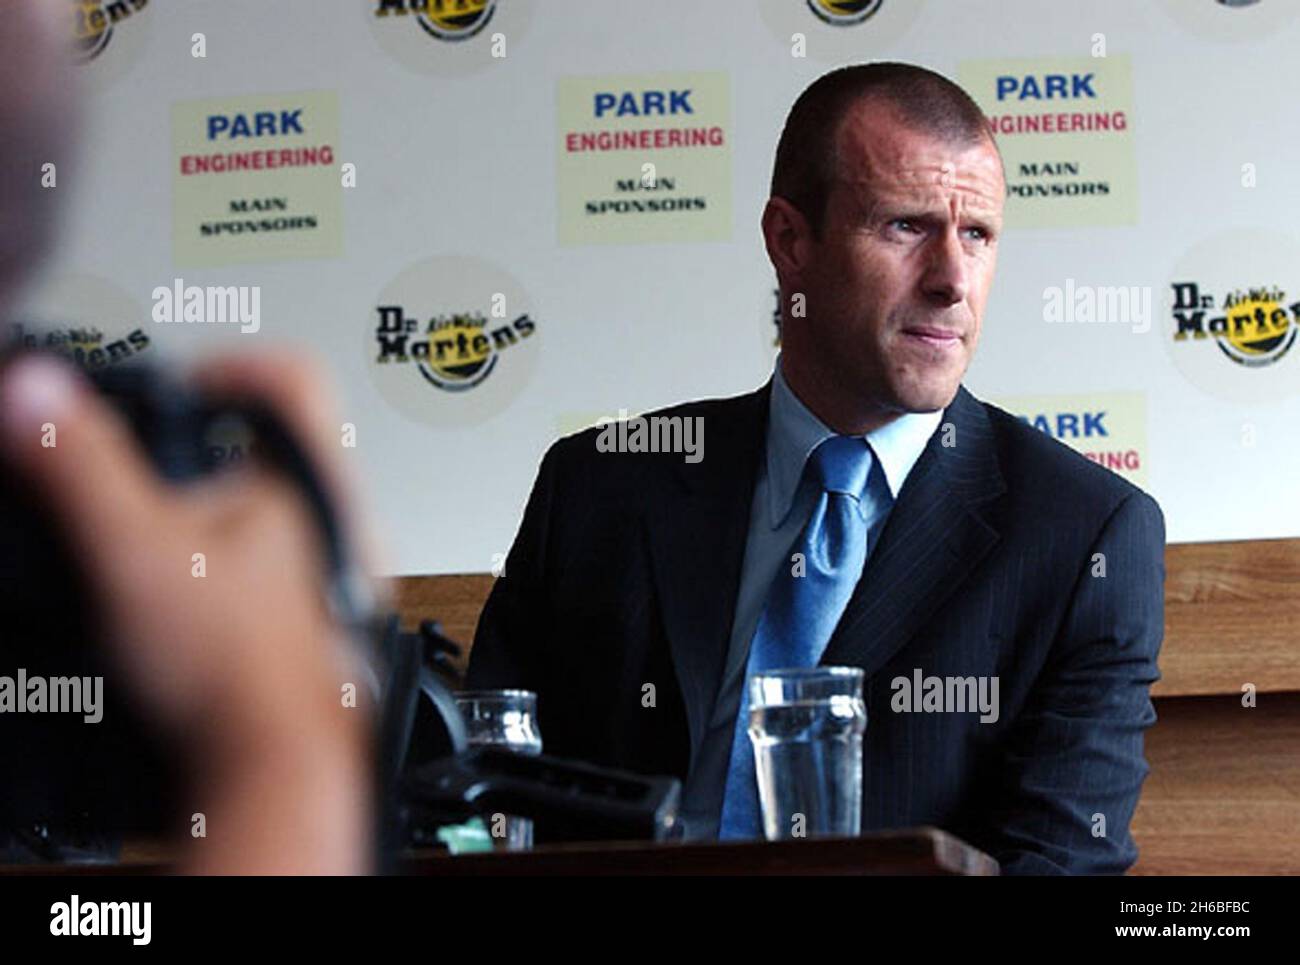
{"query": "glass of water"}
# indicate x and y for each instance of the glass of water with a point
(806, 726)
(504, 718)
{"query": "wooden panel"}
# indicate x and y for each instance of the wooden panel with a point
(1223, 795)
(1232, 615)
(454, 601)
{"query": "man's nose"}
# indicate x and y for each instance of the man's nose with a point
(945, 280)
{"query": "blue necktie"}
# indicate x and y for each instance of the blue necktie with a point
(802, 610)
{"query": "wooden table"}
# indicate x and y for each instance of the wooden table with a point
(916, 851)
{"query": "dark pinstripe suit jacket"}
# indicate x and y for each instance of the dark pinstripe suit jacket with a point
(1006, 554)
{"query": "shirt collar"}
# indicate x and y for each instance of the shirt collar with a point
(793, 432)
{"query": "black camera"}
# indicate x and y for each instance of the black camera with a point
(75, 786)
(77, 780)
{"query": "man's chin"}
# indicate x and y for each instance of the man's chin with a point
(930, 398)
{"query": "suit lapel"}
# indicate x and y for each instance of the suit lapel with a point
(697, 530)
(933, 539)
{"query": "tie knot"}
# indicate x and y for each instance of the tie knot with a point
(842, 464)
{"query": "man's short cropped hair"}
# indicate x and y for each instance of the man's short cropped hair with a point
(805, 167)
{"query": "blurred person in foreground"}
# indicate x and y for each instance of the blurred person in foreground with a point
(243, 669)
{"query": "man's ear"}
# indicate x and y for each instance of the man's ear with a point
(788, 238)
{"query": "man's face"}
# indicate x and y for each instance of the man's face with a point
(896, 285)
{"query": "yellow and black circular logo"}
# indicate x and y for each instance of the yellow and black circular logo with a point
(452, 340)
(871, 28)
(456, 19)
(413, 31)
(443, 19)
(463, 354)
(1234, 314)
(1259, 331)
(92, 29)
(843, 13)
(454, 352)
(1253, 326)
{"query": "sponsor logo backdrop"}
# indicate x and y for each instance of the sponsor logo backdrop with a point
(497, 220)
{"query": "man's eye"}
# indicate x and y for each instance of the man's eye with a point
(979, 234)
(903, 224)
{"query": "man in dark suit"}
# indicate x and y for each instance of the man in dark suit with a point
(861, 508)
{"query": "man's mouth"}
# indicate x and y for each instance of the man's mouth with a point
(934, 335)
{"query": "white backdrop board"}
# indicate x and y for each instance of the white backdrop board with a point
(472, 179)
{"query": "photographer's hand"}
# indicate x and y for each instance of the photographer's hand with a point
(231, 651)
